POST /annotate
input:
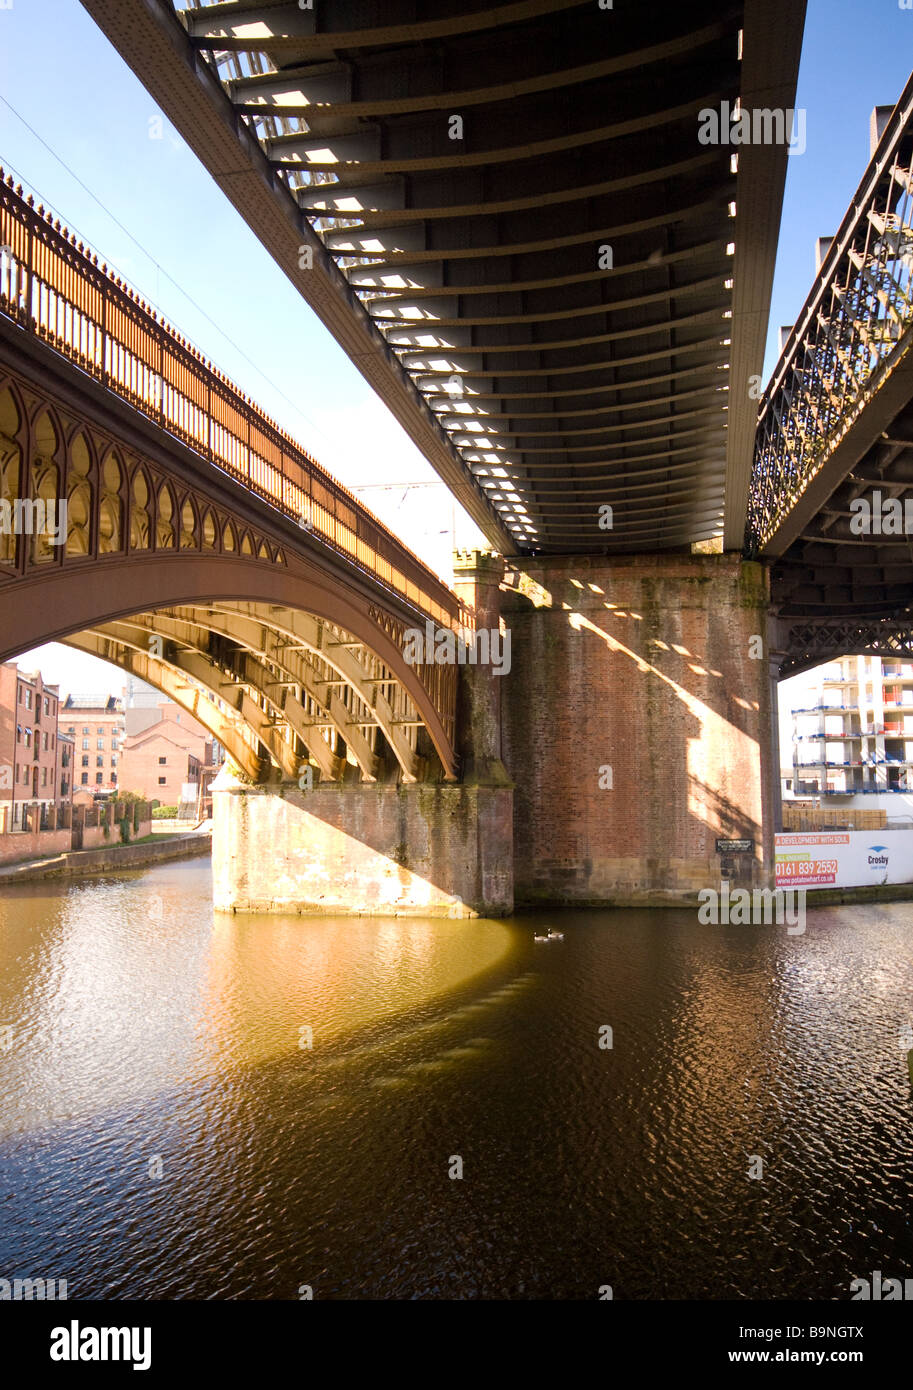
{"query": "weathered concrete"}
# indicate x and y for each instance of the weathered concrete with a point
(642, 672)
(110, 859)
(365, 849)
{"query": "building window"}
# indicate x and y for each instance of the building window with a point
(163, 781)
(100, 729)
(85, 744)
(28, 699)
(47, 705)
(163, 762)
(85, 761)
(100, 745)
(44, 776)
(114, 760)
(85, 779)
(99, 778)
(85, 731)
(45, 742)
(99, 762)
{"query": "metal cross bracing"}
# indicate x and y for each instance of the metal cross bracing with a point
(836, 421)
(805, 645)
(516, 233)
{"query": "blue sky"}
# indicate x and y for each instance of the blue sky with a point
(64, 79)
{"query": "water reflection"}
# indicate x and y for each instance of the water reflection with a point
(119, 987)
(143, 1029)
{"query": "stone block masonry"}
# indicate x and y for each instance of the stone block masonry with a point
(635, 724)
(363, 849)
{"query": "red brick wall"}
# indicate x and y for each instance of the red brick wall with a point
(642, 664)
(33, 845)
(140, 770)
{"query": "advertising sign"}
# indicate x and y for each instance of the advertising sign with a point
(844, 859)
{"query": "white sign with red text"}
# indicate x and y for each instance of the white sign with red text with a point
(843, 858)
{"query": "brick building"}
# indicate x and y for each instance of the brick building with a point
(162, 761)
(66, 746)
(96, 723)
(30, 755)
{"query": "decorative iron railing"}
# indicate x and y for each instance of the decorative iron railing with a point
(854, 328)
(52, 286)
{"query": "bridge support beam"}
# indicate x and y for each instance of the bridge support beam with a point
(363, 849)
(636, 725)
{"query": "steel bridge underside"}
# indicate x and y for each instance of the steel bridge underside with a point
(513, 231)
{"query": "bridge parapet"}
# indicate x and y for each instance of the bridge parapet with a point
(53, 287)
(854, 332)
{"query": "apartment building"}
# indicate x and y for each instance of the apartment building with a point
(853, 732)
(30, 754)
(96, 724)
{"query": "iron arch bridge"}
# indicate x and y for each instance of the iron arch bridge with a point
(152, 516)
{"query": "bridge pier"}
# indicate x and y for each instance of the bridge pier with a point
(629, 729)
(363, 849)
(636, 725)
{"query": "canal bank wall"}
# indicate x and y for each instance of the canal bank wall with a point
(814, 897)
(75, 863)
(68, 828)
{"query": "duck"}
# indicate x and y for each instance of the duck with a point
(550, 935)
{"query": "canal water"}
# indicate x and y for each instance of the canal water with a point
(200, 1106)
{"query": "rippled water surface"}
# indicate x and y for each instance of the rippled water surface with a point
(166, 1132)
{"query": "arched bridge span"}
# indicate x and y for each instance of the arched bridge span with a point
(150, 515)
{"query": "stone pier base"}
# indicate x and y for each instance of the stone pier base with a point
(363, 850)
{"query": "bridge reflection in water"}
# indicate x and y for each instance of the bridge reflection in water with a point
(163, 1134)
